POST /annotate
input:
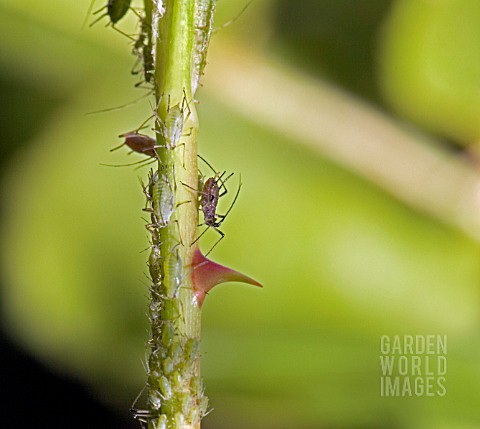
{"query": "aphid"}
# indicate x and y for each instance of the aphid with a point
(140, 143)
(165, 388)
(116, 10)
(179, 421)
(173, 270)
(163, 199)
(171, 128)
(209, 196)
(142, 48)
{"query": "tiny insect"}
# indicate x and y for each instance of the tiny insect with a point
(171, 128)
(142, 49)
(209, 197)
(139, 143)
(116, 10)
(170, 132)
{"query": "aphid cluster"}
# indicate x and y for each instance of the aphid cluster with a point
(173, 381)
(175, 391)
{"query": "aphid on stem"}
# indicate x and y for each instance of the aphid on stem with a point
(142, 48)
(139, 143)
(170, 132)
(171, 128)
(210, 193)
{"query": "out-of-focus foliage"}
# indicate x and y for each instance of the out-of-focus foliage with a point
(342, 263)
(430, 65)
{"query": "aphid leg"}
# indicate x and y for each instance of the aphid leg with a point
(146, 162)
(182, 108)
(218, 241)
(222, 184)
(221, 27)
(143, 124)
(128, 36)
(96, 13)
(179, 232)
(183, 202)
(201, 235)
(222, 217)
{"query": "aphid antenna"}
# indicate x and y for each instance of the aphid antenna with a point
(89, 11)
(123, 106)
(144, 163)
(228, 23)
(143, 84)
(207, 163)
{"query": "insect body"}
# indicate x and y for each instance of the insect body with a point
(209, 197)
(209, 201)
(117, 9)
(139, 143)
(171, 128)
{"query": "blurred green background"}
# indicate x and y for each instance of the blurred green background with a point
(342, 261)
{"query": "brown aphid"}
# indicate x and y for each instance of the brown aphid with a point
(209, 201)
(209, 196)
(140, 143)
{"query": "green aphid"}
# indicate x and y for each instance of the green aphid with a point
(187, 403)
(162, 422)
(203, 405)
(173, 270)
(179, 421)
(171, 128)
(162, 193)
(176, 353)
(168, 334)
(192, 349)
(165, 388)
(170, 310)
(168, 366)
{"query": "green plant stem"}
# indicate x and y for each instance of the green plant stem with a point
(175, 392)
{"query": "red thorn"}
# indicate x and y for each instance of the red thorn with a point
(206, 274)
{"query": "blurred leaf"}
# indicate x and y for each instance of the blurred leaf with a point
(430, 65)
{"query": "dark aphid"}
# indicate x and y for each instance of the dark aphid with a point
(142, 49)
(140, 143)
(209, 201)
(117, 9)
(209, 197)
(148, 63)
